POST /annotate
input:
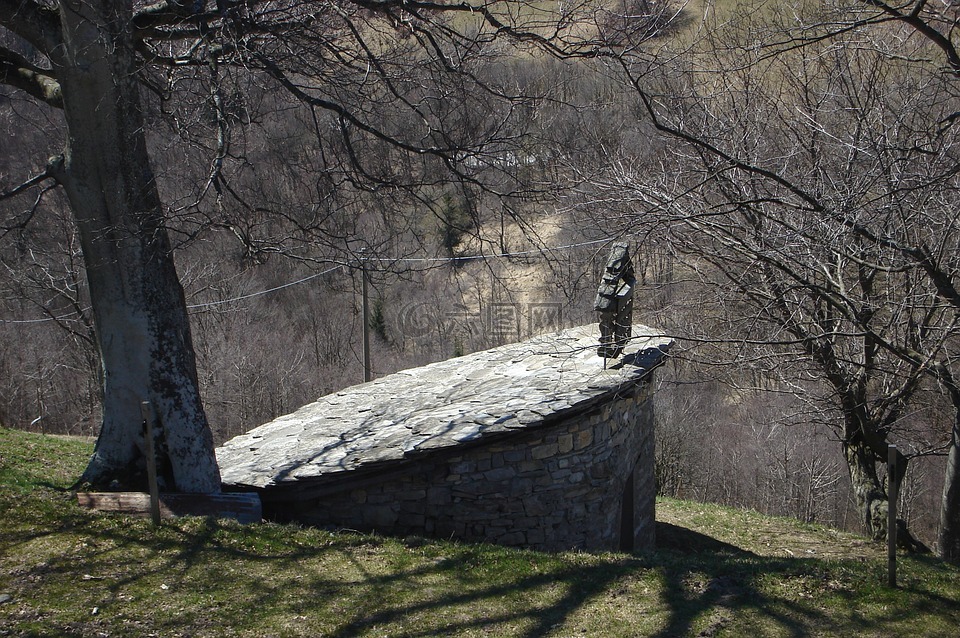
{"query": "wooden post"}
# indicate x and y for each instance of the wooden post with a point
(628, 526)
(367, 372)
(146, 411)
(893, 488)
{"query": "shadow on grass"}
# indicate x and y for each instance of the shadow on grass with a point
(710, 581)
(224, 579)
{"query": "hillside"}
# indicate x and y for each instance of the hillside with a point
(719, 572)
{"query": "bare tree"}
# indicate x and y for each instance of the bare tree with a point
(811, 182)
(393, 90)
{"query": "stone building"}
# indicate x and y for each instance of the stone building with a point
(536, 444)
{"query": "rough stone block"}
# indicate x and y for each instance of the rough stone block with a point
(382, 517)
(600, 471)
(585, 492)
(531, 467)
(544, 451)
(512, 539)
(411, 520)
(494, 531)
(544, 481)
(523, 486)
(601, 431)
(584, 439)
(536, 508)
(500, 474)
(515, 455)
(535, 536)
(438, 496)
(462, 467)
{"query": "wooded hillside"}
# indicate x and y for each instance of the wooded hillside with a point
(786, 173)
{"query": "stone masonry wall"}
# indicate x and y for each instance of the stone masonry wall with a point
(556, 487)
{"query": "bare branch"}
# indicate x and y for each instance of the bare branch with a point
(30, 183)
(169, 14)
(914, 19)
(20, 73)
(35, 23)
(585, 48)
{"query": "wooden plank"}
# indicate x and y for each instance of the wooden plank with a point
(241, 506)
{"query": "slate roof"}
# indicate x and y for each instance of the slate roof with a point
(438, 407)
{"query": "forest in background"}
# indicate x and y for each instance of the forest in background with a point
(270, 258)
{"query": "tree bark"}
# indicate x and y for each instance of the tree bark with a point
(143, 330)
(868, 492)
(948, 540)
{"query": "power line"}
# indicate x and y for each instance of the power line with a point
(406, 260)
(46, 319)
(263, 292)
(522, 253)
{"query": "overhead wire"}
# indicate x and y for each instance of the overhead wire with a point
(523, 253)
(263, 292)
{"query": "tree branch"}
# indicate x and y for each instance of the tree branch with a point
(48, 173)
(274, 70)
(19, 222)
(35, 23)
(167, 13)
(586, 48)
(20, 73)
(922, 27)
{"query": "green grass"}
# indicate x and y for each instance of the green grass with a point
(720, 572)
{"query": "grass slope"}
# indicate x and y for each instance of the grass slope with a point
(719, 572)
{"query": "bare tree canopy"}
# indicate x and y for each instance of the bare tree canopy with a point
(398, 94)
(809, 183)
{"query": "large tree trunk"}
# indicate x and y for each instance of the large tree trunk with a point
(868, 492)
(142, 325)
(948, 541)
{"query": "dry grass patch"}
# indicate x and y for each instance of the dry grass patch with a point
(721, 572)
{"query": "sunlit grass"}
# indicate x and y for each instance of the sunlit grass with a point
(71, 572)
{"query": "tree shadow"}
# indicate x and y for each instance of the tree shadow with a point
(341, 585)
(709, 579)
(680, 539)
(708, 584)
(580, 585)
